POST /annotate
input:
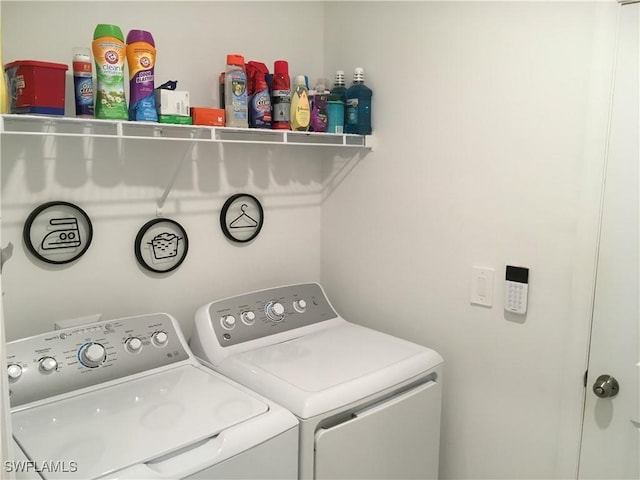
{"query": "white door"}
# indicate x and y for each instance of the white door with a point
(611, 432)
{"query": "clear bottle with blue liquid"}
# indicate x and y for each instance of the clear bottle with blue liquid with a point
(358, 105)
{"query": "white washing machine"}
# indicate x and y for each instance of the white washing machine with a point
(126, 399)
(368, 403)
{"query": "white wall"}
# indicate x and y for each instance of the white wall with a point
(490, 123)
(119, 191)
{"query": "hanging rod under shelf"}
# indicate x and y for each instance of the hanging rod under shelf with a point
(36, 125)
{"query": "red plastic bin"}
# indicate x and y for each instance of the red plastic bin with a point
(36, 87)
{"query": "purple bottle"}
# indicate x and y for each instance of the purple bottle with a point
(141, 59)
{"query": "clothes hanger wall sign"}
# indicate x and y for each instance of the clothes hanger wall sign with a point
(241, 217)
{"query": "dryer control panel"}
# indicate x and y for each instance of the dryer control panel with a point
(266, 312)
(73, 358)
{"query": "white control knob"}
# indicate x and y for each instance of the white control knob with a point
(159, 339)
(92, 355)
(275, 311)
(300, 305)
(14, 371)
(48, 364)
(248, 317)
(228, 321)
(133, 344)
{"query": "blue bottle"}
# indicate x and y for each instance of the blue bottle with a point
(358, 105)
(335, 113)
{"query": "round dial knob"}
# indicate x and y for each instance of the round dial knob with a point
(228, 321)
(248, 317)
(133, 344)
(14, 371)
(160, 339)
(48, 364)
(300, 305)
(92, 355)
(275, 311)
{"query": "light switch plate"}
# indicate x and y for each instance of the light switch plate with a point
(482, 286)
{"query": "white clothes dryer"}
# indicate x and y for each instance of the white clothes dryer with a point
(368, 403)
(126, 399)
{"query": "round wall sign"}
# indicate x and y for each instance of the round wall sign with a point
(58, 232)
(241, 217)
(161, 245)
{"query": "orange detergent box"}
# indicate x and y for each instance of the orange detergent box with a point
(36, 87)
(213, 117)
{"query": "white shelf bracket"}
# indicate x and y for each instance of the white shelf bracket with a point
(174, 177)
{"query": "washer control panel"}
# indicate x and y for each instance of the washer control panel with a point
(69, 359)
(259, 314)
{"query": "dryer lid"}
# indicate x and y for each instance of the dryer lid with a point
(114, 427)
(330, 368)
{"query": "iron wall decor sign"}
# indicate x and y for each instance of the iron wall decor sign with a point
(161, 245)
(57, 232)
(241, 217)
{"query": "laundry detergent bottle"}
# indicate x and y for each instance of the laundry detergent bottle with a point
(83, 83)
(141, 58)
(109, 53)
(235, 90)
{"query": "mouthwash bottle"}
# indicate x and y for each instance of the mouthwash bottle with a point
(358, 105)
(339, 87)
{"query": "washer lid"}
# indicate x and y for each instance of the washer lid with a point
(114, 427)
(331, 368)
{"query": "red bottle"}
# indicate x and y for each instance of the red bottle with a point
(281, 96)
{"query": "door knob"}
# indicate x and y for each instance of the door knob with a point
(606, 386)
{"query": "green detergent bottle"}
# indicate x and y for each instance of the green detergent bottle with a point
(110, 54)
